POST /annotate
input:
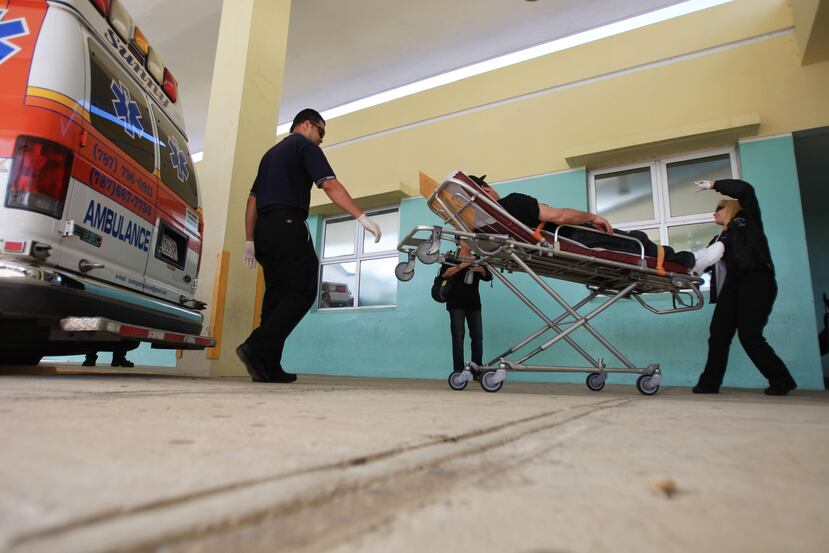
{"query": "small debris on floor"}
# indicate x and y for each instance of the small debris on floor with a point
(664, 486)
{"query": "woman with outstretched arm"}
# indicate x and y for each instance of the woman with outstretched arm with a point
(744, 288)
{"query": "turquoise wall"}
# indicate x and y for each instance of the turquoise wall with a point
(412, 340)
(770, 166)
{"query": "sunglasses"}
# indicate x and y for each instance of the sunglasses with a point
(320, 128)
(719, 208)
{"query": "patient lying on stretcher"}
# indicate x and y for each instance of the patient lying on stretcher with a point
(531, 212)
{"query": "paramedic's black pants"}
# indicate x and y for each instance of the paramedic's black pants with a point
(476, 334)
(290, 265)
(744, 307)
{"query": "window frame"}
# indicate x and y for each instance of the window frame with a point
(663, 220)
(356, 257)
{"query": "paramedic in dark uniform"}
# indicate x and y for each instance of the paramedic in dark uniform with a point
(277, 236)
(743, 288)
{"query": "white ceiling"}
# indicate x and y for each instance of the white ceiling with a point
(343, 50)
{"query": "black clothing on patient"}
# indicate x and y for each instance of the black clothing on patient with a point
(522, 207)
(526, 210)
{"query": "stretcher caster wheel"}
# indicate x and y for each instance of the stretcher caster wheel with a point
(490, 381)
(403, 271)
(459, 380)
(595, 381)
(647, 384)
(428, 252)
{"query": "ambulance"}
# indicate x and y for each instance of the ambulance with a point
(100, 221)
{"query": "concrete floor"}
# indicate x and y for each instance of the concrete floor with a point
(97, 462)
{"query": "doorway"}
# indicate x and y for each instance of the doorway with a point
(811, 148)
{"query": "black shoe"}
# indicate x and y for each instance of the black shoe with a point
(703, 390)
(281, 376)
(90, 360)
(780, 390)
(122, 362)
(248, 359)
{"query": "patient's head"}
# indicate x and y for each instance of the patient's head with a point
(486, 187)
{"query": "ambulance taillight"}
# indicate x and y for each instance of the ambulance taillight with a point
(170, 85)
(40, 176)
(102, 6)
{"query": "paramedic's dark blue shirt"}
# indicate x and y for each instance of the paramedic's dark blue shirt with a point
(286, 173)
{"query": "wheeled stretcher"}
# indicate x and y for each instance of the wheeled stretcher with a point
(504, 245)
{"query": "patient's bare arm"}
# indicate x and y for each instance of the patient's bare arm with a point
(567, 216)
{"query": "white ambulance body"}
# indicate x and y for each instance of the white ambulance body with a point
(100, 214)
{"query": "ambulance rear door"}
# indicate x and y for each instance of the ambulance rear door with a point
(176, 245)
(112, 198)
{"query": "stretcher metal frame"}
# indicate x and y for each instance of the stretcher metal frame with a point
(508, 246)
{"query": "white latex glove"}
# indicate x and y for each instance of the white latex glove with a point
(704, 185)
(250, 255)
(370, 226)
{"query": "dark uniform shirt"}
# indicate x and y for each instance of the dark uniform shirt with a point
(286, 173)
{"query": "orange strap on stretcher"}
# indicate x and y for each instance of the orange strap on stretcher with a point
(537, 232)
(660, 258)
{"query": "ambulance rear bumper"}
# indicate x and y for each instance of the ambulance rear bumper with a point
(32, 292)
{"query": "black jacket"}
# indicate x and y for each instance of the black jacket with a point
(463, 295)
(746, 246)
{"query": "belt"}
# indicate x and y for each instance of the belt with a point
(282, 211)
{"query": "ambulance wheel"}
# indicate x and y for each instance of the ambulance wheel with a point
(488, 384)
(456, 382)
(403, 272)
(425, 255)
(595, 382)
(645, 386)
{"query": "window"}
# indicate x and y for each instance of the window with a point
(119, 109)
(354, 271)
(176, 166)
(660, 197)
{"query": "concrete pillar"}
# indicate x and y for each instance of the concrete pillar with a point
(241, 126)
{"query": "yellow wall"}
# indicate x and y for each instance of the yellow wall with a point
(730, 63)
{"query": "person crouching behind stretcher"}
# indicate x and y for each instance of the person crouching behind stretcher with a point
(531, 212)
(464, 304)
